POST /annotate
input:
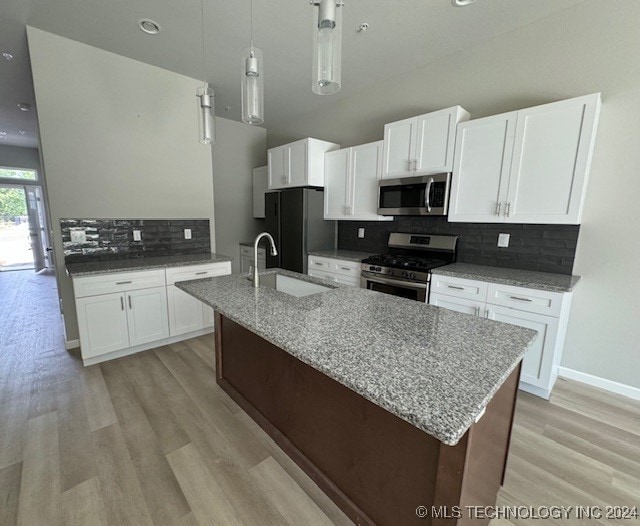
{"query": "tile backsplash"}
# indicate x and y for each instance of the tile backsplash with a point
(547, 248)
(108, 239)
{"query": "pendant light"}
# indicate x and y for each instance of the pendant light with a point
(327, 47)
(205, 98)
(252, 81)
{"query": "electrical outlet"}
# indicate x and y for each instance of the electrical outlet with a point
(503, 240)
(137, 235)
(361, 233)
(78, 236)
(187, 233)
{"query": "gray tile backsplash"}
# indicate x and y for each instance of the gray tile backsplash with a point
(108, 239)
(547, 248)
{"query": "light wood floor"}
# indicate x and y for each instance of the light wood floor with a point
(151, 439)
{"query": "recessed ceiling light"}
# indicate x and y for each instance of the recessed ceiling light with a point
(149, 26)
(462, 3)
(24, 106)
(8, 56)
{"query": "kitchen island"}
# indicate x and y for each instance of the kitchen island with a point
(388, 404)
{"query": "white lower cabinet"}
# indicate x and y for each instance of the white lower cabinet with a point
(545, 312)
(463, 305)
(340, 271)
(123, 313)
(537, 364)
(102, 323)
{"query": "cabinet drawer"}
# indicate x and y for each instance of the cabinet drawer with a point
(318, 263)
(117, 282)
(346, 268)
(197, 272)
(248, 252)
(463, 305)
(459, 287)
(336, 278)
(528, 300)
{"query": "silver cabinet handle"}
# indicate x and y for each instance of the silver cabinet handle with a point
(427, 196)
(130, 305)
(121, 303)
(201, 273)
(455, 287)
(345, 268)
(122, 282)
(508, 209)
(318, 263)
(477, 311)
(520, 299)
(498, 207)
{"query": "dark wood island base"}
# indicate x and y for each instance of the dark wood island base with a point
(375, 466)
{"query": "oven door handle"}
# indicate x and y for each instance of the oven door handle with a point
(406, 284)
(427, 194)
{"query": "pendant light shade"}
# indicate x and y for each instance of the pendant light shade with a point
(206, 107)
(252, 85)
(327, 47)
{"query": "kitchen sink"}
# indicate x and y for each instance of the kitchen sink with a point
(292, 286)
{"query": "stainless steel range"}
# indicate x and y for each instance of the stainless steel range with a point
(406, 270)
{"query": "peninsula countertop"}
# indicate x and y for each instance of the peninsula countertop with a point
(510, 276)
(436, 369)
(127, 265)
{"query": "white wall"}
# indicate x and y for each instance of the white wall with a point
(118, 139)
(19, 157)
(238, 149)
(592, 47)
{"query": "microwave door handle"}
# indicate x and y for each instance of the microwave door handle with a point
(427, 194)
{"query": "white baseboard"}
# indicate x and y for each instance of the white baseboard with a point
(71, 344)
(602, 383)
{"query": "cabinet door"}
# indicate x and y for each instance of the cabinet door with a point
(185, 312)
(481, 168)
(260, 183)
(399, 146)
(336, 183)
(366, 168)
(465, 306)
(551, 160)
(537, 365)
(102, 322)
(147, 315)
(435, 134)
(296, 164)
(208, 317)
(276, 167)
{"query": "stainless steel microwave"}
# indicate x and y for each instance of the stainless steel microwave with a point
(426, 195)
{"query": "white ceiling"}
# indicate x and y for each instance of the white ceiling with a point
(402, 36)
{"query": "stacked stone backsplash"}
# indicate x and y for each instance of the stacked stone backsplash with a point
(547, 248)
(109, 239)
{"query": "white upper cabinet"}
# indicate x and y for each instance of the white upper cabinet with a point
(529, 166)
(260, 183)
(481, 169)
(351, 183)
(336, 181)
(421, 145)
(551, 161)
(299, 163)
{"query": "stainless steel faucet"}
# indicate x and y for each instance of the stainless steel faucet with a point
(274, 252)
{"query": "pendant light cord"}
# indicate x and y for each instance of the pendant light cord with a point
(204, 70)
(251, 21)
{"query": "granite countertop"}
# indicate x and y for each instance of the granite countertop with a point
(436, 369)
(336, 253)
(125, 265)
(509, 276)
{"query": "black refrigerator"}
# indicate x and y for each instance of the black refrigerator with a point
(294, 218)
